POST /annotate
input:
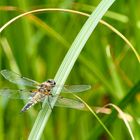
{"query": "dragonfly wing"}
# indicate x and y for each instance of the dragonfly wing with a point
(17, 79)
(66, 102)
(15, 94)
(69, 103)
(75, 88)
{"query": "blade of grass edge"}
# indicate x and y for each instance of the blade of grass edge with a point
(122, 104)
(90, 109)
(71, 11)
(68, 63)
(122, 115)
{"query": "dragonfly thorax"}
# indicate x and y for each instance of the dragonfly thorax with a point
(47, 86)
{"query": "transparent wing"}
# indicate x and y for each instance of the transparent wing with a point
(69, 103)
(16, 94)
(17, 79)
(26, 94)
(74, 88)
(66, 102)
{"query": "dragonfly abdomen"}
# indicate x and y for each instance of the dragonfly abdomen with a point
(35, 99)
(28, 105)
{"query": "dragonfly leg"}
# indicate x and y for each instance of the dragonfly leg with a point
(50, 94)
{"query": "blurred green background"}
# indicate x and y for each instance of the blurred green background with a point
(35, 47)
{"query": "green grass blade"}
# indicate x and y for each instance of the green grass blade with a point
(55, 34)
(68, 63)
(109, 14)
(118, 89)
(90, 109)
(122, 104)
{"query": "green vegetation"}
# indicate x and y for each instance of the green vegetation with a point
(35, 46)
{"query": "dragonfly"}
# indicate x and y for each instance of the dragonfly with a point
(40, 91)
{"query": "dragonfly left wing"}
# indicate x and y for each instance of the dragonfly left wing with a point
(26, 94)
(17, 79)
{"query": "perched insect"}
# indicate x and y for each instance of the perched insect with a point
(40, 91)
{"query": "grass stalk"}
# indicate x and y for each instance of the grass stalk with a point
(55, 34)
(68, 63)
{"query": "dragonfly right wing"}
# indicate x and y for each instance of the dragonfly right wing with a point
(17, 79)
(65, 102)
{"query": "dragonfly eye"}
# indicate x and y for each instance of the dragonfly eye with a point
(51, 81)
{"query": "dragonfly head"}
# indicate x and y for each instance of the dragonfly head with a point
(51, 82)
